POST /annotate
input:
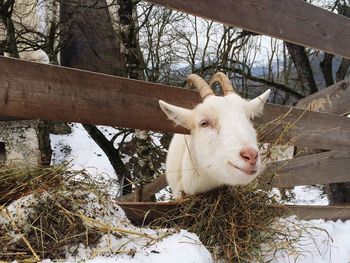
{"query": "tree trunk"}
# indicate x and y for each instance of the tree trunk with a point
(44, 142)
(52, 17)
(88, 38)
(128, 32)
(338, 193)
(90, 43)
(303, 67)
(6, 9)
(142, 165)
(343, 69)
(327, 69)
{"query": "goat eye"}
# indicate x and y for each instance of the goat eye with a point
(204, 123)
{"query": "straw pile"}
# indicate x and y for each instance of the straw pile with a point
(18, 181)
(238, 224)
(48, 217)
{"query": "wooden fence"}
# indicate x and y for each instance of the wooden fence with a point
(31, 90)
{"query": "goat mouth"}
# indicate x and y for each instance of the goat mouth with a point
(246, 171)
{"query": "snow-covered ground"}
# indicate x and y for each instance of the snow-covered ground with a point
(332, 245)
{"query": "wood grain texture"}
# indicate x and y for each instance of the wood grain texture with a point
(292, 20)
(9, 118)
(321, 168)
(140, 213)
(333, 99)
(309, 212)
(49, 92)
(38, 91)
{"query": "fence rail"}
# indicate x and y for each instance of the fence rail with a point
(144, 212)
(322, 168)
(32, 90)
(292, 20)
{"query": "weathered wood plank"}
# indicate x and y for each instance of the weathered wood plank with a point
(9, 118)
(147, 191)
(321, 168)
(306, 128)
(49, 92)
(334, 99)
(144, 212)
(39, 91)
(309, 212)
(291, 20)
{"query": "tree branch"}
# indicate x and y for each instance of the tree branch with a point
(112, 154)
(278, 86)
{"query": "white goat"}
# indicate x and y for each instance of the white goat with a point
(222, 148)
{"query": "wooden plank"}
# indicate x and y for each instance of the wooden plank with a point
(334, 99)
(39, 91)
(321, 168)
(309, 212)
(147, 191)
(306, 128)
(140, 213)
(50, 92)
(9, 118)
(292, 20)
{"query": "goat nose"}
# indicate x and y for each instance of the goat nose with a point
(249, 155)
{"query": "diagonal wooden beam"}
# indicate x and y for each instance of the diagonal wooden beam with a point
(38, 91)
(334, 99)
(291, 20)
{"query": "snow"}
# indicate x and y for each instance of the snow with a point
(327, 241)
(179, 247)
(79, 148)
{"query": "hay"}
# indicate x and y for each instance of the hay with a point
(48, 218)
(234, 223)
(46, 232)
(56, 221)
(17, 181)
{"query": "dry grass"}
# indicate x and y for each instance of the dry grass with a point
(238, 224)
(17, 181)
(45, 227)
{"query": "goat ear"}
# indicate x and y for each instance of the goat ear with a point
(180, 116)
(256, 106)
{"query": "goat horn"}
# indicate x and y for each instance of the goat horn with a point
(224, 81)
(201, 85)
